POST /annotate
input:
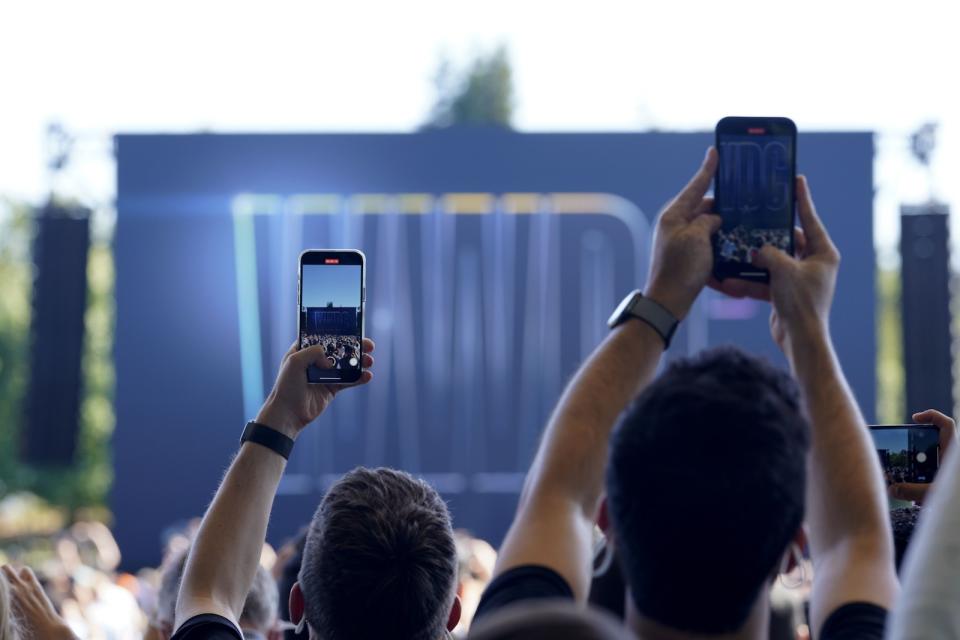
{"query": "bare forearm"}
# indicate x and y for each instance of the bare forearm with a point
(227, 549)
(845, 491)
(572, 458)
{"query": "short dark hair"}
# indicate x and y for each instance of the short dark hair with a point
(903, 521)
(380, 560)
(706, 478)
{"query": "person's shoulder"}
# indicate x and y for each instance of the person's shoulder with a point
(855, 621)
(207, 626)
(525, 582)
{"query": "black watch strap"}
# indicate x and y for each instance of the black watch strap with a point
(267, 437)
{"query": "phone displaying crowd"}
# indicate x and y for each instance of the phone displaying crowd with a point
(331, 313)
(754, 192)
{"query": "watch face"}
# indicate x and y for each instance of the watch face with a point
(622, 308)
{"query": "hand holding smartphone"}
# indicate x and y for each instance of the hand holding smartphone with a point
(331, 297)
(908, 453)
(754, 193)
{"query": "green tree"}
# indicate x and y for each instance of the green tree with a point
(480, 95)
(84, 484)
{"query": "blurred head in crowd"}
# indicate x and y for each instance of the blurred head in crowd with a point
(290, 558)
(549, 620)
(259, 615)
(904, 521)
(475, 562)
(379, 561)
(705, 490)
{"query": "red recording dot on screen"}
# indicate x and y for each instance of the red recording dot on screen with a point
(331, 261)
(757, 131)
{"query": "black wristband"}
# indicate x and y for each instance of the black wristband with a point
(267, 437)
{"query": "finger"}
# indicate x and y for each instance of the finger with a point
(367, 361)
(368, 345)
(365, 377)
(818, 240)
(690, 197)
(934, 417)
(10, 573)
(799, 243)
(292, 350)
(316, 355)
(772, 259)
(706, 205)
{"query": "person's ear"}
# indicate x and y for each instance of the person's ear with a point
(603, 516)
(455, 611)
(800, 542)
(296, 604)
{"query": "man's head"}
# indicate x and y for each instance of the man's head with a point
(705, 488)
(379, 561)
(259, 609)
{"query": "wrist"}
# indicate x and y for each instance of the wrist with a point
(278, 419)
(673, 303)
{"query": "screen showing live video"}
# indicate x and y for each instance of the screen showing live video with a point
(330, 316)
(908, 455)
(754, 195)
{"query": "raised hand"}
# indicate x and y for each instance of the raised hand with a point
(682, 245)
(294, 403)
(33, 608)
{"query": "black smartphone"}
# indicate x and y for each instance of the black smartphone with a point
(908, 452)
(754, 191)
(331, 296)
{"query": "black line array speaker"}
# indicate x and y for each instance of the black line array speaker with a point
(56, 336)
(925, 304)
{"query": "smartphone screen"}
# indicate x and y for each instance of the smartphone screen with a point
(908, 453)
(754, 193)
(331, 312)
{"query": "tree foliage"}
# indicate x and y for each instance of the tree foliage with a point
(480, 95)
(84, 484)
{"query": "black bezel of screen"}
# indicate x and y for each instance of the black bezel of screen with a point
(738, 125)
(345, 257)
(909, 427)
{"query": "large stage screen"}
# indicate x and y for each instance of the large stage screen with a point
(493, 260)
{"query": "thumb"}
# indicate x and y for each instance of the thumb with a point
(771, 259)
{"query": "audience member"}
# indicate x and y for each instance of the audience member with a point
(258, 620)
(379, 559)
(928, 607)
(34, 613)
(286, 572)
(719, 429)
(475, 562)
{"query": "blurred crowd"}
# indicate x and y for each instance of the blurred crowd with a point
(342, 351)
(741, 244)
(76, 568)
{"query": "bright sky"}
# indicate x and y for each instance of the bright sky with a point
(101, 67)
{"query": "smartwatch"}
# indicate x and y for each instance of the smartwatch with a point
(650, 312)
(267, 437)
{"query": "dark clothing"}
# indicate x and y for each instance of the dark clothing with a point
(852, 621)
(529, 582)
(207, 626)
